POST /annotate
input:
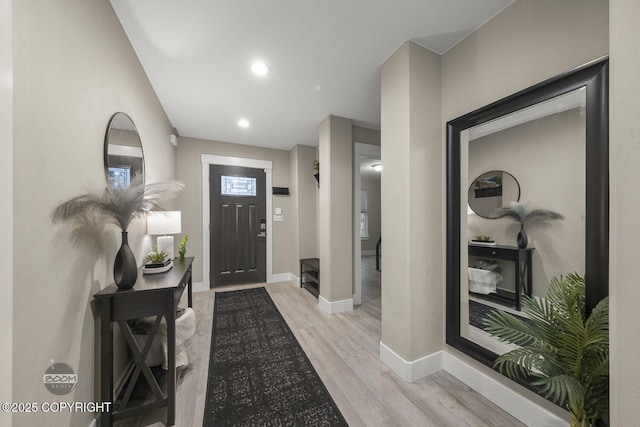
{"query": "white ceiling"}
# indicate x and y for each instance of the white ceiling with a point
(325, 57)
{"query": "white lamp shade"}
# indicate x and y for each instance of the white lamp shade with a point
(162, 223)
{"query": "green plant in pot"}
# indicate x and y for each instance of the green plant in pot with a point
(563, 349)
(183, 247)
(119, 205)
(155, 256)
(523, 214)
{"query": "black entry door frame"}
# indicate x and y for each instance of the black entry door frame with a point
(211, 159)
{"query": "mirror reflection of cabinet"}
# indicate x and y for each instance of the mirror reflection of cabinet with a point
(123, 155)
(522, 277)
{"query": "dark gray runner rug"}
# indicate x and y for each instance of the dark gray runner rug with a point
(258, 373)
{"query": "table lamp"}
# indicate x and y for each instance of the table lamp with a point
(162, 224)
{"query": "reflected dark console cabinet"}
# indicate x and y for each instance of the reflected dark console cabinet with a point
(523, 272)
(310, 275)
(153, 295)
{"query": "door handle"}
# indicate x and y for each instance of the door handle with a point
(262, 234)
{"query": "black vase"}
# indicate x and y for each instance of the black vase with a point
(522, 240)
(125, 268)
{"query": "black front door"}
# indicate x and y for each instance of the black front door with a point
(238, 225)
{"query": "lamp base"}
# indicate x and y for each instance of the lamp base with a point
(165, 243)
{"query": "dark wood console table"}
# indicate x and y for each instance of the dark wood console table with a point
(310, 275)
(523, 271)
(153, 295)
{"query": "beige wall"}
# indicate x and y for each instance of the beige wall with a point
(373, 209)
(6, 215)
(530, 41)
(335, 220)
(189, 168)
(365, 135)
(73, 68)
(412, 221)
(304, 194)
(294, 169)
(625, 204)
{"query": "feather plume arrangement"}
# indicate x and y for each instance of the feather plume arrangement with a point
(523, 213)
(119, 205)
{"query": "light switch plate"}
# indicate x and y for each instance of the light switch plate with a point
(278, 211)
(278, 218)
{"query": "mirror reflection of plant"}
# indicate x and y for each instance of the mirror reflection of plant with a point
(483, 238)
(523, 213)
(566, 351)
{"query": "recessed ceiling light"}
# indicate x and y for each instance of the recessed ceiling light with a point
(259, 68)
(243, 123)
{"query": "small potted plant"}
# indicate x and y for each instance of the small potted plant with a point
(183, 247)
(157, 261)
(155, 258)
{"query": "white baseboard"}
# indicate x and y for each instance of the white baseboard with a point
(199, 287)
(284, 277)
(370, 252)
(414, 370)
(512, 402)
(295, 279)
(335, 307)
(517, 405)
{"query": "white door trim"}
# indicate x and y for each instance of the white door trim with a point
(211, 159)
(359, 150)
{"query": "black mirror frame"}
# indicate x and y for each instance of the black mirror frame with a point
(595, 79)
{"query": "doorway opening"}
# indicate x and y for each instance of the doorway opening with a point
(366, 226)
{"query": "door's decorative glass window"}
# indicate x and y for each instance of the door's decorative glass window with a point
(237, 186)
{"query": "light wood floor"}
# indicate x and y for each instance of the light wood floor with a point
(344, 349)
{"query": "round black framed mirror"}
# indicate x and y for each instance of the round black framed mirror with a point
(123, 154)
(493, 190)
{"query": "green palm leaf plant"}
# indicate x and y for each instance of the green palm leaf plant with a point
(566, 352)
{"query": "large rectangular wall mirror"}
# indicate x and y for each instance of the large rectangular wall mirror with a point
(545, 147)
